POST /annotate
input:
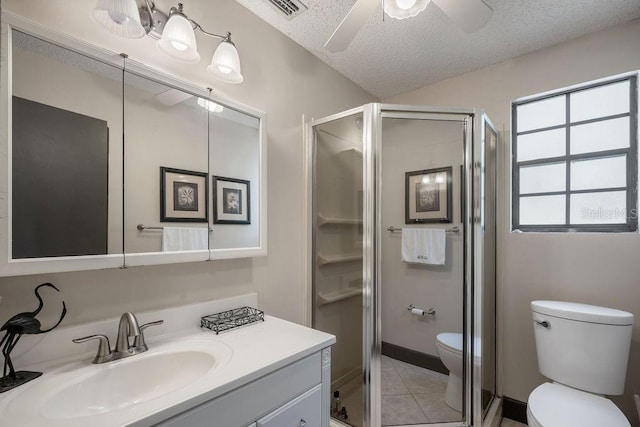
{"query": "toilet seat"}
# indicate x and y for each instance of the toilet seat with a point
(556, 405)
(450, 341)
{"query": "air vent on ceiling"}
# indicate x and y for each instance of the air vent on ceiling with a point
(290, 8)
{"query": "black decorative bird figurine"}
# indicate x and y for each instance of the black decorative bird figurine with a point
(15, 327)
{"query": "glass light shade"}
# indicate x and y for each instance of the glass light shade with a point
(179, 41)
(210, 105)
(402, 9)
(225, 64)
(119, 17)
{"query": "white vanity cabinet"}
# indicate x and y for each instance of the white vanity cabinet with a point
(272, 373)
(294, 396)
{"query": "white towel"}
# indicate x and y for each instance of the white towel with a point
(184, 239)
(423, 245)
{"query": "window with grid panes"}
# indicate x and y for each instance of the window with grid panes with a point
(574, 159)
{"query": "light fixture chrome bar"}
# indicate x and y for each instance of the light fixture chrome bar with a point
(197, 26)
(453, 229)
(153, 20)
(180, 11)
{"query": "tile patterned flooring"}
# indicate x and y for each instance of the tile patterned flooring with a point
(413, 395)
(410, 395)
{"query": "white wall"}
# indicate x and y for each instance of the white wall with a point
(413, 145)
(282, 79)
(592, 268)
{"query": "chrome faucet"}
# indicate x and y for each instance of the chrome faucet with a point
(127, 328)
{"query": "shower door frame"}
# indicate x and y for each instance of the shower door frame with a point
(473, 164)
(373, 253)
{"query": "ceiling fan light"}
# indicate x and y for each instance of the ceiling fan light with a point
(225, 64)
(178, 40)
(119, 17)
(403, 9)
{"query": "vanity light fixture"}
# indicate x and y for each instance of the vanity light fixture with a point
(175, 34)
(402, 9)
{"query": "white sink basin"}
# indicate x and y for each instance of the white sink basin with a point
(82, 394)
(128, 382)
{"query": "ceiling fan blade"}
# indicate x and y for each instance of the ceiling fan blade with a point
(351, 25)
(470, 15)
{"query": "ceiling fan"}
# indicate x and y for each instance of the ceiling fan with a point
(470, 15)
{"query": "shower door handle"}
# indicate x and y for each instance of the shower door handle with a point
(543, 323)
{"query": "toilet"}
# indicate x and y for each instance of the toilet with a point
(584, 350)
(449, 346)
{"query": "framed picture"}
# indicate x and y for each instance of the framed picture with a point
(184, 195)
(428, 196)
(231, 201)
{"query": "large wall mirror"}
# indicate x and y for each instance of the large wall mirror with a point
(110, 163)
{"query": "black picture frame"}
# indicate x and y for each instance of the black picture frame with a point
(231, 200)
(184, 195)
(429, 196)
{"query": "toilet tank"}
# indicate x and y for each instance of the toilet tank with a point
(583, 346)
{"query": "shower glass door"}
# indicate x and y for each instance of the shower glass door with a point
(404, 263)
(485, 317)
(337, 256)
(421, 267)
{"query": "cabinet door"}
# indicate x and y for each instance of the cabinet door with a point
(303, 411)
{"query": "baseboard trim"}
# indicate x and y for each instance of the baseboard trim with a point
(514, 410)
(414, 357)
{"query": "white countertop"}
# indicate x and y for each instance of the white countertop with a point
(250, 352)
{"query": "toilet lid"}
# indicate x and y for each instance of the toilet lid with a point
(555, 405)
(450, 341)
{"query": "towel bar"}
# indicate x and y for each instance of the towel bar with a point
(453, 229)
(143, 227)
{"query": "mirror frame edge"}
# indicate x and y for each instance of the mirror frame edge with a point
(15, 267)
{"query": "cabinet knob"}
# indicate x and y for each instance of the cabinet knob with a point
(302, 423)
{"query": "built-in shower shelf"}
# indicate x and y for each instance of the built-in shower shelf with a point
(336, 259)
(323, 220)
(339, 295)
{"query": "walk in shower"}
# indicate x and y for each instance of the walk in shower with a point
(404, 263)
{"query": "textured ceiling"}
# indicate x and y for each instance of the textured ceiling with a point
(389, 56)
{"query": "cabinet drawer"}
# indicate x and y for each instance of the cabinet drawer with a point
(303, 411)
(251, 401)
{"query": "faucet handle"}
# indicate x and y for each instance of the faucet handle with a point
(138, 342)
(104, 348)
(146, 325)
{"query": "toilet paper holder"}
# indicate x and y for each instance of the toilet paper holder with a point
(420, 312)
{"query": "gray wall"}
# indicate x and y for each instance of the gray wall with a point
(412, 145)
(591, 268)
